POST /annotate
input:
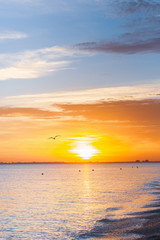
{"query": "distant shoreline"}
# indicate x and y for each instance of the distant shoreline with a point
(10, 163)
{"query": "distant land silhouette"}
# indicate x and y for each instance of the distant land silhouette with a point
(88, 162)
(144, 161)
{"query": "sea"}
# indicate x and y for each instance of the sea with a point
(75, 201)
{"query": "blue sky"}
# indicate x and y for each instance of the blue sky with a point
(49, 46)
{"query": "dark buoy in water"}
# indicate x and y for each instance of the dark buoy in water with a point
(42, 173)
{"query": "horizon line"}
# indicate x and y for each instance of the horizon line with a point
(1, 163)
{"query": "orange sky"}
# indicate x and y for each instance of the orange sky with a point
(106, 131)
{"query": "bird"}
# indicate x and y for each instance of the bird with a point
(54, 138)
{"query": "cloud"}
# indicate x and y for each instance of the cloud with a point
(132, 6)
(141, 17)
(52, 101)
(25, 112)
(127, 114)
(119, 112)
(33, 64)
(31, 69)
(139, 26)
(138, 46)
(136, 106)
(139, 29)
(12, 35)
(7, 113)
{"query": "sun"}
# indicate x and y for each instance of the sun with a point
(84, 149)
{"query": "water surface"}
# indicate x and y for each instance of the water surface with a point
(70, 201)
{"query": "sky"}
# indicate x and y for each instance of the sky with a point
(86, 70)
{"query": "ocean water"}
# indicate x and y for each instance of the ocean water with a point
(74, 201)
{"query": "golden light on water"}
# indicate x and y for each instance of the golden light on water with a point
(83, 148)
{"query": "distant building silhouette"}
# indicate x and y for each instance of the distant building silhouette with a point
(145, 161)
(137, 161)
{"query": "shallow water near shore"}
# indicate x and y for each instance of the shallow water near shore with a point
(76, 201)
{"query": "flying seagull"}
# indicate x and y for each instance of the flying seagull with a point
(54, 138)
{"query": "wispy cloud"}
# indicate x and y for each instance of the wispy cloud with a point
(33, 64)
(132, 6)
(139, 26)
(118, 112)
(138, 46)
(7, 113)
(53, 101)
(12, 35)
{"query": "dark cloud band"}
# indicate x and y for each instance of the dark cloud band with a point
(146, 46)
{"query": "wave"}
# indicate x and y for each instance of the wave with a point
(143, 225)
